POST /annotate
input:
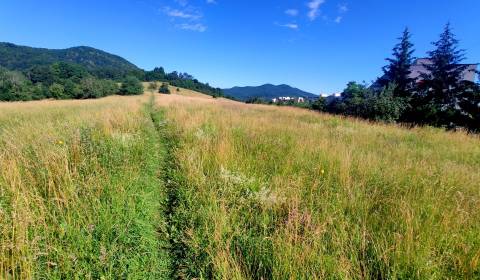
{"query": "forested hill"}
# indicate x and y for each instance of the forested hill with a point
(267, 92)
(97, 62)
(28, 73)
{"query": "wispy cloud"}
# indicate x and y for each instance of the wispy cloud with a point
(342, 8)
(199, 27)
(314, 8)
(292, 12)
(187, 17)
(293, 26)
(184, 14)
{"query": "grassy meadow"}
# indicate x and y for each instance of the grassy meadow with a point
(187, 186)
(80, 193)
(283, 193)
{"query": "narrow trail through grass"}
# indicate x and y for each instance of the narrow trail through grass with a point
(81, 191)
(184, 186)
(172, 181)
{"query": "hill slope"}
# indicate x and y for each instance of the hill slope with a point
(267, 92)
(15, 57)
(166, 186)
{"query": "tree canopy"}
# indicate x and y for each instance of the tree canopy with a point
(398, 70)
(131, 85)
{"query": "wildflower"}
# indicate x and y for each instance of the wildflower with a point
(60, 142)
(322, 171)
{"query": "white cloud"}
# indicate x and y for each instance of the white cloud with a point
(293, 26)
(186, 16)
(191, 15)
(338, 19)
(292, 12)
(342, 8)
(314, 8)
(198, 27)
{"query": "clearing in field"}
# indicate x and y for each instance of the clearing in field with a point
(187, 186)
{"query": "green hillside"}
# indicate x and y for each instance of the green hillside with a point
(100, 63)
(28, 73)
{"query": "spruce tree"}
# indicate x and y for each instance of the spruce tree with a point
(398, 70)
(470, 105)
(443, 84)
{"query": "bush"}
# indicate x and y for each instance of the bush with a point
(57, 91)
(384, 105)
(353, 101)
(94, 88)
(164, 89)
(256, 100)
(14, 86)
(360, 101)
(470, 105)
(152, 86)
(320, 104)
(131, 86)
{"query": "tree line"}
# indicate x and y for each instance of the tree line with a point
(64, 80)
(59, 81)
(183, 80)
(439, 97)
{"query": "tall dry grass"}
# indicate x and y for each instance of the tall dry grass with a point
(249, 192)
(79, 191)
(282, 193)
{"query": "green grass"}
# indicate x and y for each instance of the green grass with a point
(186, 187)
(83, 198)
(281, 193)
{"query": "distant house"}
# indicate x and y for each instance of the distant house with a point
(336, 94)
(330, 98)
(283, 99)
(419, 67)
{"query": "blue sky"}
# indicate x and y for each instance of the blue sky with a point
(315, 45)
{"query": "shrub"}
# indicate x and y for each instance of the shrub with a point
(320, 104)
(152, 87)
(57, 91)
(14, 86)
(131, 86)
(164, 89)
(384, 105)
(360, 101)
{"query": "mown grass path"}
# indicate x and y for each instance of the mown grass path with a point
(172, 180)
(191, 187)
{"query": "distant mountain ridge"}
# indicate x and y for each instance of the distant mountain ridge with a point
(19, 58)
(267, 92)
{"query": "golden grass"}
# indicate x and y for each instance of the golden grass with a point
(283, 193)
(68, 170)
(259, 192)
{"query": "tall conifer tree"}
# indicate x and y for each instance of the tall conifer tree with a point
(398, 70)
(443, 83)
